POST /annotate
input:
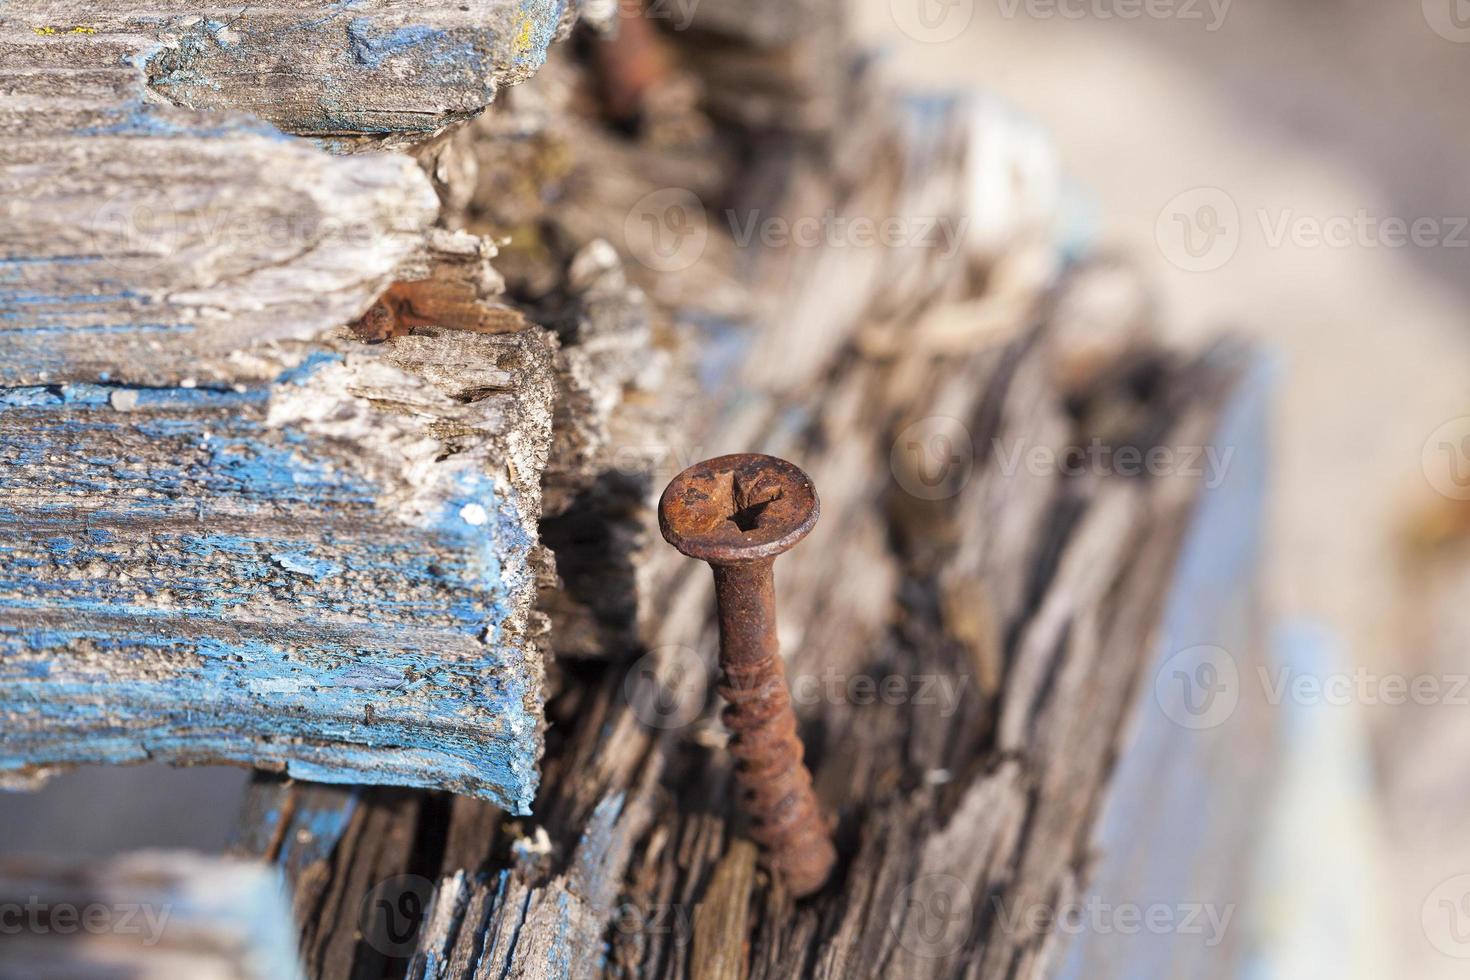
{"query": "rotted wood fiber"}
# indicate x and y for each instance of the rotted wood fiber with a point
(328, 574)
(982, 793)
(160, 222)
(359, 73)
(232, 530)
(1018, 607)
(112, 273)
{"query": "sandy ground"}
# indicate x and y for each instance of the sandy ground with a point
(1280, 138)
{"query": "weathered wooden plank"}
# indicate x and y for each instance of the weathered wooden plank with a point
(1013, 606)
(232, 532)
(329, 574)
(158, 221)
(1178, 813)
(112, 273)
(946, 831)
(164, 915)
(356, 72)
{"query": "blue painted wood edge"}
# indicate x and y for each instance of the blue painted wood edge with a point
(233, 594)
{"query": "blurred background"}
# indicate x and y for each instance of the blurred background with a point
(1265, 165)
(1296, 172)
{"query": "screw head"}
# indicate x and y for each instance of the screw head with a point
(735, 509)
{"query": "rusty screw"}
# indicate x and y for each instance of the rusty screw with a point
(738, 513)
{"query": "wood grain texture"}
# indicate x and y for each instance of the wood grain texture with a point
(329, 574)
(969, 635)
(232, 531)
(159, 220)
(157, 914)
(1012, 608)
(960, 801)
(351, 71)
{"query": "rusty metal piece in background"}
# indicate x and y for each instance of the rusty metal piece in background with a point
(738, 513)
(629, 64)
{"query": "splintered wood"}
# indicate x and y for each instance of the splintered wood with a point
(340, 464)
(322, 574)
(966, 630)
(230, 529)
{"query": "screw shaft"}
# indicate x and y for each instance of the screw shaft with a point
(775, 784)
(737, 513)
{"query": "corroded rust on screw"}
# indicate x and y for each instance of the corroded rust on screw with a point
(738, 513)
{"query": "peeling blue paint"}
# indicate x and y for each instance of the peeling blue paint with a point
(370, 48)
(306, 565)
(153, 119)
(179, 581)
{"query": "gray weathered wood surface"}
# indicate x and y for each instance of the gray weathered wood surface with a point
(330, 574)
(233, 531)
(158, 221)
(1013, 608)
(366, 72)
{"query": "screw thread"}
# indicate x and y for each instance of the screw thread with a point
(776, 787)
(738, 513)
